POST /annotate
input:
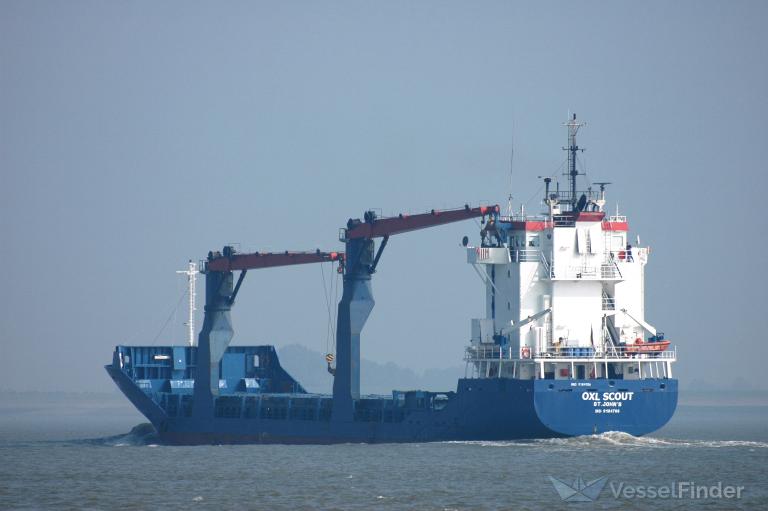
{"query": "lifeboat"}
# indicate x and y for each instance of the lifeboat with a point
(647, 347)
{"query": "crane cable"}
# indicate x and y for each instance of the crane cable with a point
(327, 294)
(170, 317)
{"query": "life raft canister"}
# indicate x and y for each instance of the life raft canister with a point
(525, 352)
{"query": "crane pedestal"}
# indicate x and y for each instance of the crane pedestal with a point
(213, 340)
(354, 308)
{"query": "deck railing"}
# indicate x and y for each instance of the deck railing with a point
(483, 353)
(525, 255)
(607, 270)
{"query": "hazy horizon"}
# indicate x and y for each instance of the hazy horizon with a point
(308, 367)
(135, 136)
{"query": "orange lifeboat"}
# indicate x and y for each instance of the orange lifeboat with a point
(647, 347)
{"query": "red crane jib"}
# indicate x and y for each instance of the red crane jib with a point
(403, 223)
(270, 260)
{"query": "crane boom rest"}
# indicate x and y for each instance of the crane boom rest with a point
(357, 299)
(220, 294)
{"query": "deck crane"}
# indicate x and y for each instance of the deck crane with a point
(220, 295)
(357, 298)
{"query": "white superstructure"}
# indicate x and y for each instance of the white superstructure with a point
(564, 293)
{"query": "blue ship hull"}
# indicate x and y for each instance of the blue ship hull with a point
(276, 409)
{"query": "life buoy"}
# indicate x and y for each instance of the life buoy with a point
(622, 255)
(638, 341)
(525, 352)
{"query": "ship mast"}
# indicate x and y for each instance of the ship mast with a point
(573, 128)
(191, 273)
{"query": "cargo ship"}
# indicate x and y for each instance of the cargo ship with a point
(564, 348)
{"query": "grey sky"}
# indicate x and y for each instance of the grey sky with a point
(136, 135)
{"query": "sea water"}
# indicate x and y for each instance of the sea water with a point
(76, 452)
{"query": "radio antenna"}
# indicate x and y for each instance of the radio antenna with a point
(511, 166)
(191, 273)
(573, 128)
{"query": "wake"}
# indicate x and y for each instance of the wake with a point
(619, 439)
(142, 435)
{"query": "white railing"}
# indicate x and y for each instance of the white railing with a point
(547, 267)
(606, 271)
(619, 352)
(525, 255)
(610, 270)
(473, 353)
(489, 353)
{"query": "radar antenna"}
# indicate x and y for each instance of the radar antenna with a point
(602, 185)
(547, 186)
(601, 200)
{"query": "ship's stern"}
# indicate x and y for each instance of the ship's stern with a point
(593, 406)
